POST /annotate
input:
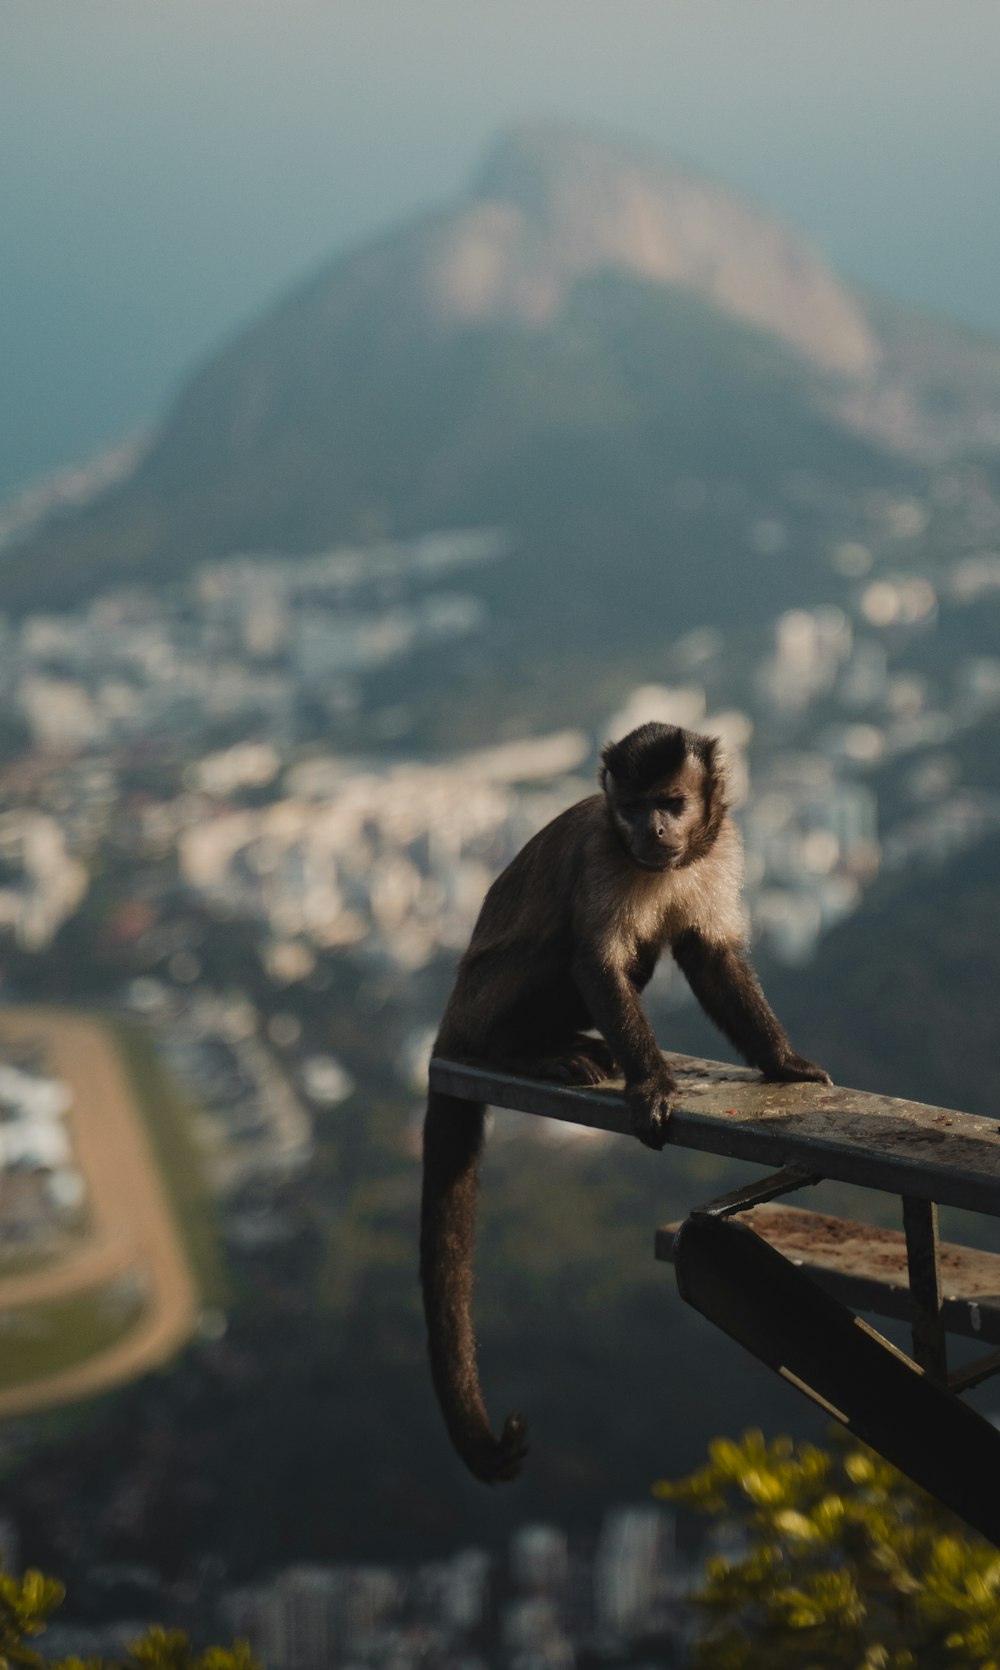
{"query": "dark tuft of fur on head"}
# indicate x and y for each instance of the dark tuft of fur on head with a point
(654, 752)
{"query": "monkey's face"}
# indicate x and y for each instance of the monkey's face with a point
(659, 822)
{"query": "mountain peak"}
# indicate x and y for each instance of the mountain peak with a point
(532, 162)
(474, 366)
(554, 203)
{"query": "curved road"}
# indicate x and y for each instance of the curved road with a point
(132, 1222)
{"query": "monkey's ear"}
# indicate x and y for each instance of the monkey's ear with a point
(716, 765)
(606, 772)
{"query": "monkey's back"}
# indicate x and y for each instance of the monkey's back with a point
(514, 985)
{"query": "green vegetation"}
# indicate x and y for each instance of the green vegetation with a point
(169, 1119)
(41, 1340)
(27, 1603)
(845, 1563)
(23, 1262)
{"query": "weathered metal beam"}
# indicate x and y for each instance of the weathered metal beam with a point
(903, 1148)
(865, 1266)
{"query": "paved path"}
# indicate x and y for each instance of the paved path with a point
(132, 1226)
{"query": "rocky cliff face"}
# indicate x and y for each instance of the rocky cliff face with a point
(553, 206)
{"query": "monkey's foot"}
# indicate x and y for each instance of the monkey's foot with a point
(597, 1051)
(578, 1066)
(795, 1069)
(649, 1105)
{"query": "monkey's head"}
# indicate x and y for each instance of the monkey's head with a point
(666, 793)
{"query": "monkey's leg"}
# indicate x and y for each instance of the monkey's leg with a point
(614, 1005)
(728, 990)
(574, 1065)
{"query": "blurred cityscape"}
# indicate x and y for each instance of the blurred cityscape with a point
(390, 853)
(176, 742)
(547, 1602)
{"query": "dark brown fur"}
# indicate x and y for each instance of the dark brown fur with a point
(567, 938)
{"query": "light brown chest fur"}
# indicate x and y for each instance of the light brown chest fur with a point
(636, 908)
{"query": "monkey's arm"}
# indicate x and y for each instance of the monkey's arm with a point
(616, 1010)
(728, 990)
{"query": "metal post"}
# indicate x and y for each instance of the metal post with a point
(923, 1256)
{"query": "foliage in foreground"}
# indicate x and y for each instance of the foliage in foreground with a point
(841, 1561)
(27, 1603)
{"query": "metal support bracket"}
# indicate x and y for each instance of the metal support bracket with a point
(973, 1374)
(814, 1342)
(783, 1182)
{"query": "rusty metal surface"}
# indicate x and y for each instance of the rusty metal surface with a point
(880, 1142)
(867, 1267)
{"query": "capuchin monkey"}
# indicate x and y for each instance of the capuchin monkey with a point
(566, 940)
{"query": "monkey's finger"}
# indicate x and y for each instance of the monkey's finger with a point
(799, 1072)
(649, 1120)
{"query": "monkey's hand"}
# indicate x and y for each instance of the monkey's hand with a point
(795, 1069)
(649, 1102)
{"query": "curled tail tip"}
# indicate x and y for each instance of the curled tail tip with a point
(514, 1444)
(506, 1454)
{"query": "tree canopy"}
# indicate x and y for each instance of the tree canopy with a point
(27, 1603)
(836, 1559)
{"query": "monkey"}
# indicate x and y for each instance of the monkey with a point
(567, 938)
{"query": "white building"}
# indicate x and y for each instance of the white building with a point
(33, 1133)
(636, 1544)
(50, 885)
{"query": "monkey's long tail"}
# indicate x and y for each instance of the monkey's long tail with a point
(453, 1140)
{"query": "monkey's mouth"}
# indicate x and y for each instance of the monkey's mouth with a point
(663, 861)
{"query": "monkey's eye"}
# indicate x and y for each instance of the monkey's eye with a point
(674, 804)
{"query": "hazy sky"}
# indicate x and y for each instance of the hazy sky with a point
(166, 166)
